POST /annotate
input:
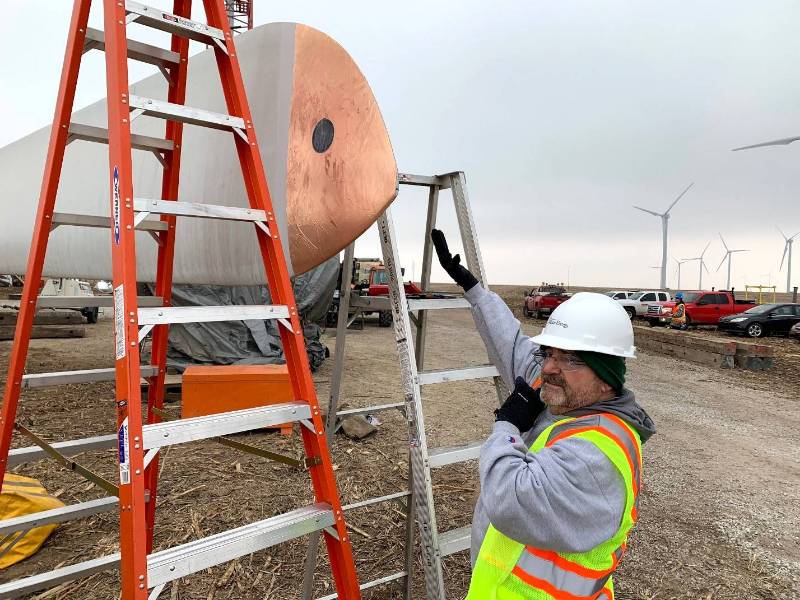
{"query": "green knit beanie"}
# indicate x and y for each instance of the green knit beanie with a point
(610, 369)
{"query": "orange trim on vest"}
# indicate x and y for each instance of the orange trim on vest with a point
(568, 565)
(627, 431)
(548, 588)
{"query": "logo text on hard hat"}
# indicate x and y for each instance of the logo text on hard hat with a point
(558, 323)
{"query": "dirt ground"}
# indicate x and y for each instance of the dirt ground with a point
(720, 510)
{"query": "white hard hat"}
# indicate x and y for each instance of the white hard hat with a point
(592, 322)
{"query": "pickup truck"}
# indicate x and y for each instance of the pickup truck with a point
(702, 307)
(543, 300)
(638, 304)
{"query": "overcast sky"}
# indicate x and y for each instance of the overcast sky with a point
(562, 115)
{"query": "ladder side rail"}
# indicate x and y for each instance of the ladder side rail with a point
(133, 536)
(418, 446)
(425, 276)
(472, 250)
(59, 134)
(177, 83)
(293, 343)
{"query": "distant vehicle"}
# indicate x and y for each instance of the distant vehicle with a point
(103, 287)
(638, 304)
(619, 294)
(795, 332)
(71, 287)
(544, 299)
(6, 281)
(702, 308)
(765, 319)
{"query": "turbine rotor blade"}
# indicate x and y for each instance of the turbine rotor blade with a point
(781, 142)
(785, 249)
(674, 202)
(706, 248)
(652, 212)
(727, 254)
(723, 241)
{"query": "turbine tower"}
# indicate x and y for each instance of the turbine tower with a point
(728, 253)
(664, 226)
(679, 262)
(702, 265)
(787, 252)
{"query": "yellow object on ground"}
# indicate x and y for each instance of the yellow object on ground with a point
(23, 496)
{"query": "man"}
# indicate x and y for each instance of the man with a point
(678, 320)
(561, 472)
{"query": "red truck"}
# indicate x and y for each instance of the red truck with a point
(544, 299)
(702, 307)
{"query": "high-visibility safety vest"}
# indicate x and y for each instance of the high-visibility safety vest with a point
(508, 570)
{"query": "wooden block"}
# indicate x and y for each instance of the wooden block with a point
(45, 317)
(44, 331)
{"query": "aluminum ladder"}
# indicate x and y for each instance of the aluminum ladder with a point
(139, 437)
(417, 501)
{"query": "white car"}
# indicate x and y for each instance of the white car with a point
(619, 294)
(636, 305)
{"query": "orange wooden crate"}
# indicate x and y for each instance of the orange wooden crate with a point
(208, 390)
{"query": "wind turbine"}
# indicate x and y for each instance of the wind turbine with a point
(787, 250)
(664, 225)
(728, 253)
(680, 262)
(702, 265)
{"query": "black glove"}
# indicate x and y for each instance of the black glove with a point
(522, 407)
(452, 264)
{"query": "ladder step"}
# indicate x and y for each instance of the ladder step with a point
(440, 181)
(210, 314)
(455, 540)
(370, 409)
(40, 380)
(440, 457)
(89, 133)
(192, 557)
(168, 433)
(28, 585)
(153, 55)
(76, 220)
(437, 303)
(446, 375)
(69, 448)
(83, 302)
(185, 114)
(164, 21)
(203, 211)
(58, 515)
(370, 584)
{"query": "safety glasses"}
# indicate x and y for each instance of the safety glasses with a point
(564, 361)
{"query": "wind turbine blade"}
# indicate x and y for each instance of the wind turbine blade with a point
(706, 248)
(795, 235)
(723, 242)
(783, 234)
(727, 254)
(702, 262)
(652, 212)
(674, 202)
(785, 249)
(781, 142)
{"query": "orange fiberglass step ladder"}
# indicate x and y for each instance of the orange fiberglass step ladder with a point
(140, 437)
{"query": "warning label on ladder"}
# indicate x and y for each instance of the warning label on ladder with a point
(119, 321)
(124, 454)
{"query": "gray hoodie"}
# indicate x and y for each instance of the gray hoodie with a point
(568, 497)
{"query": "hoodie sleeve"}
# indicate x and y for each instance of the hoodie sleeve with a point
(567, 498)
(510, 350)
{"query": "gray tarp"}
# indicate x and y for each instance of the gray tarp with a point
(249, 342)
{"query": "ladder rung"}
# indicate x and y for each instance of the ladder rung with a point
(69, 448)
(378, 500)
(455, 540)
(203, 211)
(89, 133)
(164, 21)
(84, 302)
(40, 380)
(58, 515)
(195, 556)
(446, 375)
(209, 314)
(437, 303)
(440, 457)
(370, 409)
(145, 53)
(168, 433)
(28, 585)
(97, 221)
(373, 302)
(440, 181)
(371, 584)
(185, 114)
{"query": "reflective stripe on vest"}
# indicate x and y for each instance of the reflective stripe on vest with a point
(507, 569)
